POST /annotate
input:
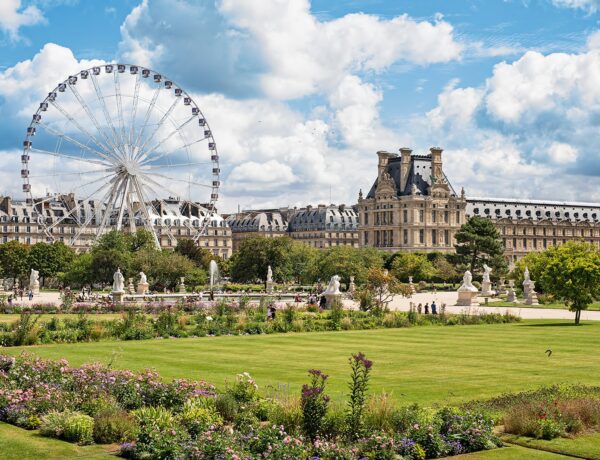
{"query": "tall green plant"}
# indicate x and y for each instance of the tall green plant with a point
(359, 383)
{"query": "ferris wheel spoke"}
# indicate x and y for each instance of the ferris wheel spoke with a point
(147, 219)
(105, 110)
(78, 173)
(167, 152)
(70, 157)
(119, 107)
(110, 204)
(159, 124)
(154, 166)
(189, 182)
(136, 92)
(144, 155)
(76, 207)
(147, 178)
(122, 207)
(91, 116)
(151, 106)
(75, 123)
(170, 234)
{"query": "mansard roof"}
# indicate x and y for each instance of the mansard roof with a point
(419, 175)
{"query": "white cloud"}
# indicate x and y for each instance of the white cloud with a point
(456, 106)
(307, 56)
(562, 153)
(13, 16)
(591, 6)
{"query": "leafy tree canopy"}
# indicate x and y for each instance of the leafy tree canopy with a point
(478, 243)
(413, 264)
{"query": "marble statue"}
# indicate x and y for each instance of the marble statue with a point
(526, 276)
(334, 286)
(486, 273)
(143, 278)
(467, 284)
(269, 275)
(34, 277)
(118, 281)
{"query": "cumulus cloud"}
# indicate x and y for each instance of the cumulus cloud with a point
(307, 56)
(13, 16)
(562, 153)
(456, 106)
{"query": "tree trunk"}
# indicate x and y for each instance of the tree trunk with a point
(577, 317)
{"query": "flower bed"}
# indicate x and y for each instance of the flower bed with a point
(191, 420)
(153, 321)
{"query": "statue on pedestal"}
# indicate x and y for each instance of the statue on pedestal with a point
(142, 287)
(269, 279)
(486, 285)
(118, 281)
(332, 293)
(466, 292)
(34, 281)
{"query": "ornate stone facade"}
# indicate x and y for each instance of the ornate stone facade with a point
(320, 226)
(411, 206)
(172, 218)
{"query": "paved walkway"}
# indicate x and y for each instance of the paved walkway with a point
(403, 304)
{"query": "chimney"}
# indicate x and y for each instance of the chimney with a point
(383, 161)
(436, 163)
(404, 166)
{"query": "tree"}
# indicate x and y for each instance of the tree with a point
(407, 264)
(444, 270)
(382, 286)
(50, 259)
(572, 274)
(164, 269)
(13, 259)
(536, 263)
(250, 263)
(80, 271)
(141, 239)
(347, 261)
(303, 262)
(478, 243)
(199, 255)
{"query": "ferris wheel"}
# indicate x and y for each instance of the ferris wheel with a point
(122, 147)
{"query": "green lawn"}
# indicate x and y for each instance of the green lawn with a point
(553, 306)
(510, 453)
(16, 443)
(587, 446)
(430, 364)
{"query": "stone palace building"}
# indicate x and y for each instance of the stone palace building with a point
(320, 226)
(173, 219)
(413, 207)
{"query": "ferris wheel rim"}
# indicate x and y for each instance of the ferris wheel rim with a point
(161, 82)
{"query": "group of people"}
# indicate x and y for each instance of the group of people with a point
(425, 308)
(19, 293)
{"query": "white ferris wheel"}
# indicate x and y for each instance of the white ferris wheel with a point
(121, 146)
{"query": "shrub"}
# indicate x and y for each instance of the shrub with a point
(79, 428)
(379, 414)
(53, 423)
(314, 404)
(359, 382)
(227, 406)
(199, 415)
(114, 425)
(244, 389)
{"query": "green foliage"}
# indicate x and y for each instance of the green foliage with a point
(114, 425)
(197, 254)
(536, 263)
(478, 243)
(199, 415)
(359, 383)
(69, 425)
(50, 259)
(13, 259)
(79, 272)
(572, 274)
(314, 403)
(405, 264)
(347, 261)
(163, 268)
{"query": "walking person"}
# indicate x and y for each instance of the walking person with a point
(30, 295)
(426, 308)
(433, 308)
(419, 309)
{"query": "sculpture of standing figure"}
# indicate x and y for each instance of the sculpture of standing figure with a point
(118, 281)
(526, 276)
(467, 284)
(486, 273)
(334, 286)
(34, 278)
(269, 275)
(143, 278)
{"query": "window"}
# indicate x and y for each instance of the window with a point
(446, 216)
(446, 237)
(405, 216)
(405, 236)
(421, 236)
(421, 214)
(433, 216)
(434, 237)
(458, 217)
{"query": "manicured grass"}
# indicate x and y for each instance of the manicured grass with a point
(10, 317)
(16, 443)
(428, 364)
(587, 446)
(510, 453)
(553, 306)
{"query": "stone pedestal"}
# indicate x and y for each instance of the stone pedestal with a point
(351, 286)
(269, 287)
(531, 295)
(142, 288)
(512, 296)
(486, 289)
(35, 288)
(467, 298)
(130, 287)
(331, 299)
(182, 289)
(118, 296)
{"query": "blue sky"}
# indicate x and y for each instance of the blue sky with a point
(300, 95)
